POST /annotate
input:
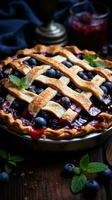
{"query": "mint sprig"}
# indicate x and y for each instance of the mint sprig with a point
(22, 83)
(84, 162)
(95, 167)
(79, 179)
(91, 59)
(78, 183)
(10, 160)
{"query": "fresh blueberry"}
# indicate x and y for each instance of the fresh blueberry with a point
(51, 73)
(31, 62)
(92, 187)
(40, 122)
(69, 169)
(82, 75)
(108, 85)
(105, 90)
(4, 177)
(106, 175)
(90, 75)
(67, 63)
(65, 101)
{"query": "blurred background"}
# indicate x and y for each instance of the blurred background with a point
(19, 19)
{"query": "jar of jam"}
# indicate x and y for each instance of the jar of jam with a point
(88, 24)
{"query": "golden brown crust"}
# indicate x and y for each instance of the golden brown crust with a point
(43, 101)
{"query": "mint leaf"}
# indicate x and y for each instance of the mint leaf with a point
(7, 169)
(90, 58)
(93, 62)
(78, 183)
(22, 83)
(84, 162)
(99, 63)
(95, 167)
(15, 80)
(12, 163)
(77, 170)
(3, 154)
(16, 158)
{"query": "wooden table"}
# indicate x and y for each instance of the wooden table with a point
(39, 177)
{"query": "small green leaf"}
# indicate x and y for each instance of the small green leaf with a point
(99, 63)
(93, 62)
(77, 170)
(15, 80)
(22, 83)
(3, 154)
(78, 183)
(95, 167)
(12, 163)
(16, 158)
(90, 58)
(84, 162)
(7, 169)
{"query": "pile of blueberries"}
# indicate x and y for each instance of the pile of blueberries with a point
(92, 186)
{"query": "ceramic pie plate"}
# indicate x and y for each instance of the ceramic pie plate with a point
(76, 144)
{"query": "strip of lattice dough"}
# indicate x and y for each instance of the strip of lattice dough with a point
(82, 84)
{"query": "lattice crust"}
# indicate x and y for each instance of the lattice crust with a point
(44, 101)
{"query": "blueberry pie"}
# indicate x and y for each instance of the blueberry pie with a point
(56, 92)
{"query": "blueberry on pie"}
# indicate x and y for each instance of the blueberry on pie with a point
(56, 92)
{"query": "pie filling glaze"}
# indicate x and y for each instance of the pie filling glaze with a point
(66, 97)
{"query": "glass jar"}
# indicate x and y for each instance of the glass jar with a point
(88, 24)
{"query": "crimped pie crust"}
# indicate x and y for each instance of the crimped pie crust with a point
(44, 99)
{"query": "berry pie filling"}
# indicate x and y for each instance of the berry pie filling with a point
(46, 119)
(64, 113)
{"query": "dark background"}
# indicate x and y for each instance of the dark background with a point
(18, 19)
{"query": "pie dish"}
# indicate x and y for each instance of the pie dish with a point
(56, 92)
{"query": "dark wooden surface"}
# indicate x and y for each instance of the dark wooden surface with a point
(40, 177)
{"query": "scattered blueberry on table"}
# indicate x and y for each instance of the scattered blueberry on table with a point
(68, 169)
(4, 177)
(106, 176)
(81, 180)
(92, 186)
